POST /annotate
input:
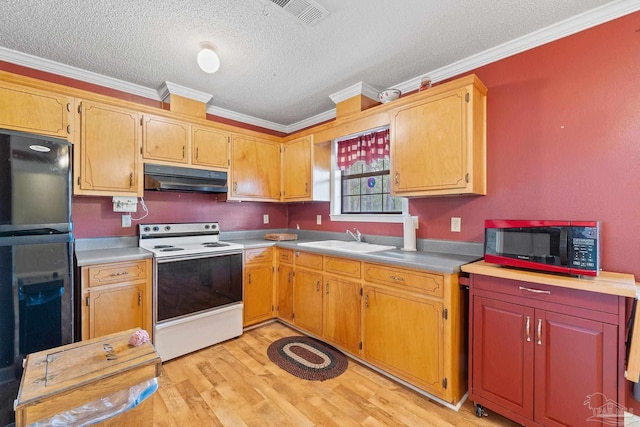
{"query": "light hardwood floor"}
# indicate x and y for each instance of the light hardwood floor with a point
(235, 384)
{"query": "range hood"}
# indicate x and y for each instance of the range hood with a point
(173, 178)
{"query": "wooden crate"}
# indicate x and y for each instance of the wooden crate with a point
(60, 379)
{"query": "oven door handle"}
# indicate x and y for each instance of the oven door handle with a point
(162, 260)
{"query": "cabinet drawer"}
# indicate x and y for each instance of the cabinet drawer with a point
(341, 266)
(252, 256)
(547, 294)
(414, 280)
(104, 274)
(285, 255)
(309, 260)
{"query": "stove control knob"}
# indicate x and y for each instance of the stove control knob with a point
(206, 226)
(156, 228)
(167, 228)
(146, 229)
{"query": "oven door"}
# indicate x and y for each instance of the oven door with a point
(189, 285)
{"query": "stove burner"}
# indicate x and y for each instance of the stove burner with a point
(214, 244)
(162, 246)
(170, 249)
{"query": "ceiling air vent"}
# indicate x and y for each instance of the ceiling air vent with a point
(307, 12)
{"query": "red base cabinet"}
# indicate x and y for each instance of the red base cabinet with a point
(544, 355)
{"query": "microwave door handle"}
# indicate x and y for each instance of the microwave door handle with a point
(564, 246)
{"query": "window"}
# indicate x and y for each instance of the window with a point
(366, 189)
(361, 187)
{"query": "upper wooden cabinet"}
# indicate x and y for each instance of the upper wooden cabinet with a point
(31, 110)
(255, 169)
(305, 170)
(296, 169)
(165, 139)
(438, 143)
(107, 155)
(210, 147)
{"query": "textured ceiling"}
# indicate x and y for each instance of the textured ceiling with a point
(273, 67)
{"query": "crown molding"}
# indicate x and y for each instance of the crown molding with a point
(167, 88)
(53, 67)
(360, 88)
(565, 28)
(597, 16)
(287, 129)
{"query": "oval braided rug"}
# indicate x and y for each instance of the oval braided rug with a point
(307, 358)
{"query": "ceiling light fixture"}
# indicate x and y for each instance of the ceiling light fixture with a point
(208, 60)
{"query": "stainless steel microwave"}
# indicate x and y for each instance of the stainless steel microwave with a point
(571, 247)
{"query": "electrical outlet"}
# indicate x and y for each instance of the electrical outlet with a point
(456, 224)
(126, 220)
(265, 219)
(319, 219)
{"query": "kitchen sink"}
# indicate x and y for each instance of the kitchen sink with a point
(353, 247)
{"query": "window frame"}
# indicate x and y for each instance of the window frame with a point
(336, 192)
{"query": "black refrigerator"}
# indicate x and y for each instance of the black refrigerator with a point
(36, 249)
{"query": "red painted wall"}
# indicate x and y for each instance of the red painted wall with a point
(94, 216)
(563, 142)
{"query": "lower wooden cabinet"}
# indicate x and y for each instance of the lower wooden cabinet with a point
(408, 322)
(543, 355)
(258, 296)
(285, 276)
(307, 300)
(403, 335)
(341, 317)
(115, 297)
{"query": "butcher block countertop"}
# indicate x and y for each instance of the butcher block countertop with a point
(605, 283)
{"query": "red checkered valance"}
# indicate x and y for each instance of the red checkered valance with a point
(369, 147)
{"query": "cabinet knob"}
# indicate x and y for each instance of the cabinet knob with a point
(317, 285)
(326, 290)
(527, 328)
(131, 179)
(197, 152)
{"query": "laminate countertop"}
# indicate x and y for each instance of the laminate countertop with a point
(107, 255)
(442, 262)
(437, 261)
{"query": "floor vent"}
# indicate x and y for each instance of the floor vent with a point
(306, 12)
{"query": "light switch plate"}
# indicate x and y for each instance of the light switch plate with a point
(265, 219)
(319, 219)
(126, 220)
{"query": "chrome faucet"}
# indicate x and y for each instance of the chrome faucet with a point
(357, 236)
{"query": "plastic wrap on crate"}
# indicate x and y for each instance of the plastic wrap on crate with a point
(103, 408)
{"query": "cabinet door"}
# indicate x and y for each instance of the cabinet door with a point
(109, 154)
(575, 369)
(255, 169)
(502, 349)
(342, 314)
(258, 293)
(307, 301)
(429, 146)
(165, 139)
(296, 169)
(210, 147)
(32, 110)
(403, 333)
(116, 309)
(285, 292)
